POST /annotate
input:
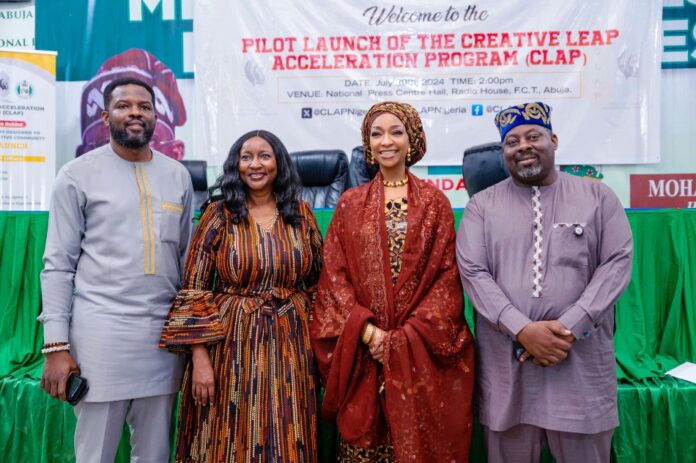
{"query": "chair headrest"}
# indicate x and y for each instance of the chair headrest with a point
(359, 171)
(483, 166)
(320, 167)
(199, 174)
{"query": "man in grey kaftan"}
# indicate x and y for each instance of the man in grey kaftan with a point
(550, 252)
(119, 227)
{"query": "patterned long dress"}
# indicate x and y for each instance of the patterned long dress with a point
(247, 293)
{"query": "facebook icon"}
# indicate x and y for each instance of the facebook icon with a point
(477, 110)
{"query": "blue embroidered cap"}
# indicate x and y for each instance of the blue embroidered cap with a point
(537, 113)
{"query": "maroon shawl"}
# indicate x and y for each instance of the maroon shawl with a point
(428, 367)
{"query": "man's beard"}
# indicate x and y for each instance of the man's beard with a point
(131, 141)
(529, 172)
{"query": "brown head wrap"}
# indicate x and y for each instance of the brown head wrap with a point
(408, 116)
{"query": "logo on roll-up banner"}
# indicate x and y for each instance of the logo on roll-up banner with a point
(4, 85)
(24, 89)
(663, 190)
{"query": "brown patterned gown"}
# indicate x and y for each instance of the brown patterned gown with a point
(247, 293)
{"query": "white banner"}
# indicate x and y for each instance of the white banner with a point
(17, 25)
(308, 70)
(27, 129)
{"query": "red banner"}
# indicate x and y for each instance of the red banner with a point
(663, 190)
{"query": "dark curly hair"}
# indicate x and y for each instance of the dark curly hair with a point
(286, 187)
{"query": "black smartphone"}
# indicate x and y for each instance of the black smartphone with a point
(76, 388)
(517, 350)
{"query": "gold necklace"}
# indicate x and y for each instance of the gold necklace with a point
(396, 184)
(267, 224)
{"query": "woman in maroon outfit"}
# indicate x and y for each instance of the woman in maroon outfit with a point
(388, 331)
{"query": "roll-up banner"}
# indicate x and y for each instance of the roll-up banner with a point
(27, 129)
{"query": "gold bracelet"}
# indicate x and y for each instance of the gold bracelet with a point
(368, 333)
(373, 331)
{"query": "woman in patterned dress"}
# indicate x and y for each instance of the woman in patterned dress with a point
(393, 349)
(243, 311)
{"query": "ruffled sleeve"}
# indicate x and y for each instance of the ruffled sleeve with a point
(194, 317)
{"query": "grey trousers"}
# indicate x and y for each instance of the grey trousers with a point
(523, 444)
(100, 424)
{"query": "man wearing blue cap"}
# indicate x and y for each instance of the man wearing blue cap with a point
(544, 256)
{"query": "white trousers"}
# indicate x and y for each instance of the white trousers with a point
(100, 424)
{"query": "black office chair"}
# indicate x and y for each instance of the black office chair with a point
(483, 166)
(324, 174)
(359, 171)
(199, 177)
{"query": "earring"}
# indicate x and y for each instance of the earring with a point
(371, 158)
(408, 155)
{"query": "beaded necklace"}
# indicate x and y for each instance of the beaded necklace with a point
(396, 184)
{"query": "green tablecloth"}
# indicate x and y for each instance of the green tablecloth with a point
(656, 330)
